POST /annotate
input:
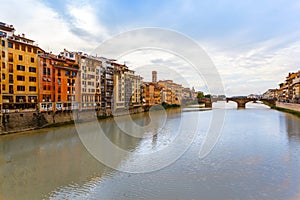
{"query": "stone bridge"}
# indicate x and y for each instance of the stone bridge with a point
(206, 101)
(241, 101)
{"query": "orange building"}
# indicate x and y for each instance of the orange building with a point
(58, 79)
(148, 93)
(172, 92)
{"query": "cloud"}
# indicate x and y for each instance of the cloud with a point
(49, 29)
(85, 22)
(252, 52)
(255, 68)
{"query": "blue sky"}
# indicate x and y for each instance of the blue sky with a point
(253, 44)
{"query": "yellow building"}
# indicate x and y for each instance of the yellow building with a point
(171, 93)
(148, 93)
(19, 73)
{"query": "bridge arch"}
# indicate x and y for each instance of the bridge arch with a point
(241, 102)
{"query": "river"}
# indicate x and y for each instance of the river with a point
(256, 156)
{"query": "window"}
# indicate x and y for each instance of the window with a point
(34, 50)
(23, 48)
(10, 57)
(3, 87)
(32, 79)
(45, 87)
(3, 76)
(3, 54)
(20, 57)
(20, 88)
(32, 60)
(11, 68)
(58, 81)
(21, 78)
(20, 68)
(11, 79)
(44, 71)
(10, 45)
(32, 69)
(3, 43)
(29, 49)
(32, 88)
(17, 46)
(48, 71)
(3, 65)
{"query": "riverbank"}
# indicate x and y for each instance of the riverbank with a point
(291, 108)
(27, 121)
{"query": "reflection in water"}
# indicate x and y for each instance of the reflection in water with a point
(292, 127)
(257, 157)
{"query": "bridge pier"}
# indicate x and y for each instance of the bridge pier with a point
(207, 102)
(241, 105)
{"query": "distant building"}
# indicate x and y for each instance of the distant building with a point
(270, 94)
(253, 96)
(289, 90)
(172, 92)
(127, 90)
(148, 89)
(107, 85)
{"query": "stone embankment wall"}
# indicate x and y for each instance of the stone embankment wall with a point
(22, 121)
(290, 106)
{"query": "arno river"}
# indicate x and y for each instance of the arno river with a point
(257, 156)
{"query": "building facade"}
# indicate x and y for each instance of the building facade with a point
(127, 87)
(59, 77)
(172, 92)
(289, 90)
(90, 68)
(19, 70)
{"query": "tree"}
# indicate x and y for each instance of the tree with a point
(207, 96)
(200, 95)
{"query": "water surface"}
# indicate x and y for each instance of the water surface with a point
(257, 157)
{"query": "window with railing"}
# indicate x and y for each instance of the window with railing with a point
(11, 79)
(20, 88)
(20, 78)
(11, 89)
(32, 79)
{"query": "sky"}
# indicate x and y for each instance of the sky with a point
(253, 45)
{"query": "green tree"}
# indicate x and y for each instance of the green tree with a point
(200, 95)
(207, 96)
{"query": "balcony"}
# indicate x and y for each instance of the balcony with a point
(296, 80)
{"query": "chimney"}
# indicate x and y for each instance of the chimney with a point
(23, 35)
